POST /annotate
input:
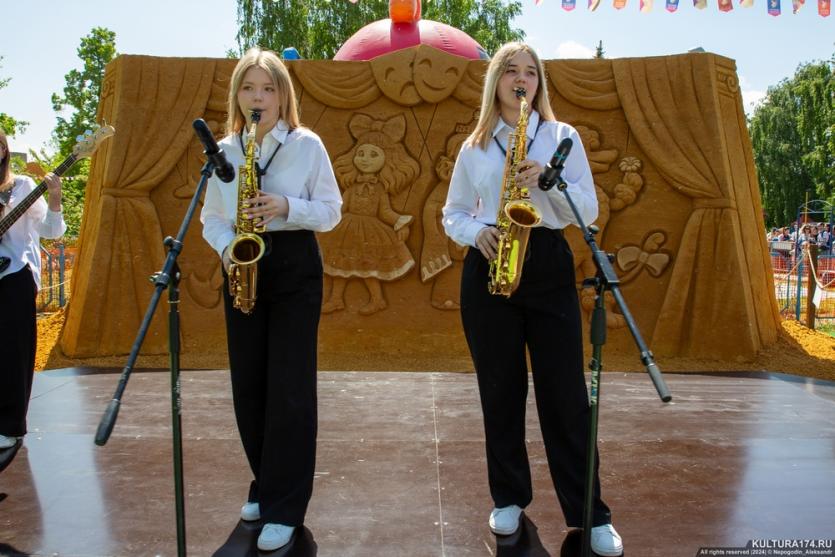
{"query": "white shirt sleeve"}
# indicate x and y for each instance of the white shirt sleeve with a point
(322, 210)
(52, 224)
(218, 229)
(462, 204)
(577, 174)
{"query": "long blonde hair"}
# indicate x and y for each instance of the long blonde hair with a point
(6, 175)
(268, 61)
(490, 109)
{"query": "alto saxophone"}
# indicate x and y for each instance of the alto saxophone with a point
(247, 247)
(517, 215)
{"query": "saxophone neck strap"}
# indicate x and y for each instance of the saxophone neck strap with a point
(535, 133)
(263, 171)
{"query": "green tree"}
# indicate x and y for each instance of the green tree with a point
(10, 125)
(81, 95)
(599, 52)
(83, 88)
(318, 28)
(793, 137)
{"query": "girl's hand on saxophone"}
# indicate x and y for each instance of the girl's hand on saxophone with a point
(487, 242)
(528, 174)
(266, 207)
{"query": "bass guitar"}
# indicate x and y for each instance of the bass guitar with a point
(86, 146)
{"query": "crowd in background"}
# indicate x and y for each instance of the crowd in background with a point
(801, 236)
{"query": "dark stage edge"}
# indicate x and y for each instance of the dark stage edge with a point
(401, 468)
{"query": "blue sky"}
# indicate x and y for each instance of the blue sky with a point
(39, 48)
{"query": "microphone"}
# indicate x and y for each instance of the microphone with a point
(553, 169)
(223, 168)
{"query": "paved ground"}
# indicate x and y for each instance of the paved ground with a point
(401, 469)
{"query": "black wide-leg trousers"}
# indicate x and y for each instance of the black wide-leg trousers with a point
(544, 316)
(272, 357)
(18, 337)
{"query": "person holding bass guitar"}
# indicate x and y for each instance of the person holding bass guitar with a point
(20, 275)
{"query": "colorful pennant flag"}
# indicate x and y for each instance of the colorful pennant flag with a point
(774, 6)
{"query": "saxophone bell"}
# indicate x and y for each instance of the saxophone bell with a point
(522, 212)
(246, 249)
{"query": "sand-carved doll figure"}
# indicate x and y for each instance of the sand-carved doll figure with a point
(370, 241)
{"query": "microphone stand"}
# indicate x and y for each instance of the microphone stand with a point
(168, 277)
(605, 280)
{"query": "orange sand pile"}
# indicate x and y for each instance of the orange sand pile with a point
(799, 351)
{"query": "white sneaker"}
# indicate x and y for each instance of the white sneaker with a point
(605, 541)
(274, 536)
(250, 512)
(505, 521)
(7, 442)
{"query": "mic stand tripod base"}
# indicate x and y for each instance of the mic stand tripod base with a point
(168, 277)
(605, 279)
(176, 399)
(598, 339)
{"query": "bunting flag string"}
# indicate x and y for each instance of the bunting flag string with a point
(645, 6)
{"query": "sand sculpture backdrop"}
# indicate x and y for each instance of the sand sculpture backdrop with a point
(666, 139)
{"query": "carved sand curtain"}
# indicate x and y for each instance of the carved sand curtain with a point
(152, 110)
(672, 105)
(666, 141)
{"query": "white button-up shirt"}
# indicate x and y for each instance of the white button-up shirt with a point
(301, 171)
(473, 199)
(22, 242)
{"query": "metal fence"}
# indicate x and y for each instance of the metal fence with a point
(791, 271)
(791, 278)
(56, 268)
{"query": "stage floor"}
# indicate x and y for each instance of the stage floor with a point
(401, 467)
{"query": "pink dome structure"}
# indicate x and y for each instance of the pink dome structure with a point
(405, 29)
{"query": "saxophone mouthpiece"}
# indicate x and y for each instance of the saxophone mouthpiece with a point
(256, 116)
(520, 92)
